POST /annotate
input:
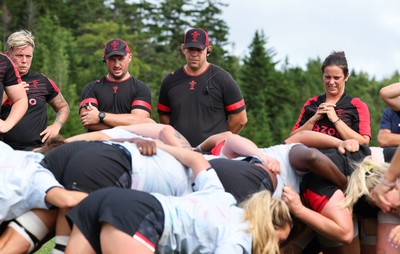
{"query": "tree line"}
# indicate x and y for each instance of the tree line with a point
(70, 37)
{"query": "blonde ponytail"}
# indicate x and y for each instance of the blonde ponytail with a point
(265, 214)
(366, 176)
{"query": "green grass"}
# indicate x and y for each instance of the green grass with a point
(46, 248)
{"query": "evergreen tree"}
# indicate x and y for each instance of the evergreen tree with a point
(257, 79)
(51, 58)
(208, 16)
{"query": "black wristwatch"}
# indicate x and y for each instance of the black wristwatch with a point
(101, 116)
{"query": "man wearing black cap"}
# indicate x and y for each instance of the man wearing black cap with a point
(200, 99)
(118, 98)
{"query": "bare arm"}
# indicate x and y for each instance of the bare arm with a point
(89, 136)
(60, 106)
(163, 132)
(90, 118)
(348, 133)
(308, 159)
(387, 183)
(391, 96)
(164, 119)
(63, 198)
(309, 125)
(328, 110)
(237, 121)
(321, 140)
(236, 146)
(136, 116)
(387, 138)
(333, 222)
(208, 144)
(17, 95)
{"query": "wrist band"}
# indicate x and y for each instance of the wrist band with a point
(199, 148)
(336, 121)
(388, 184)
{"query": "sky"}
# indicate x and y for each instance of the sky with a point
(368, 31)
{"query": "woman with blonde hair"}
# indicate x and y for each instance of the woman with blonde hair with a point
(367, 175)
(206, 221)
(265, 221)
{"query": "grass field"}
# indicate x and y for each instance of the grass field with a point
(46, 249)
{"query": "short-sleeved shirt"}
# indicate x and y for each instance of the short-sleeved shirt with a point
(9, 74)
(288, 175)
(106, 165)
(117, 97)
(205, 221)
(390, 120)
(24, 182)
(199, 105)
(351, 110)
(25, 135)
(241, 178)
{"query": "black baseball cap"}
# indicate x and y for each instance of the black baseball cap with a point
(115, 47)
(196, 38)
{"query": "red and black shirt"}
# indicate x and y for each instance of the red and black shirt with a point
(25, 135)
(117, 97)
(199, 105)
(351, 110)
(9, 74)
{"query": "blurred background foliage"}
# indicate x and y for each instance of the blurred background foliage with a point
(70, 37)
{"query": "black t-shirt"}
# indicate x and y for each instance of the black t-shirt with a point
(9, 74)
(117, 97)
(89, 165)
(199, 105)
(25, 135)
(241, 178)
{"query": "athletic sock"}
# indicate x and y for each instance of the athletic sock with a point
(60, 244)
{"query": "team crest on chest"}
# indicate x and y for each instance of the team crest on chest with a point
(192, 85)
(35, 83)
(115, 89)
(340, 112)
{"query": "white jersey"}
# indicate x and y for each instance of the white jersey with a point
(161, 173)
(23, 182)
(288, 174)
(205, 221)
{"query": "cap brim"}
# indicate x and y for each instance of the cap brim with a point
(194, 45)
(115, 53)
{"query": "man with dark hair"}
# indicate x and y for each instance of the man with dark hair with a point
(118, 98)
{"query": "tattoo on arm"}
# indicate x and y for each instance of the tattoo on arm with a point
(182, 140)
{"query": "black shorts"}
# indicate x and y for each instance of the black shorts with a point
(136, 213)
(89, 166)
(345, 162)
